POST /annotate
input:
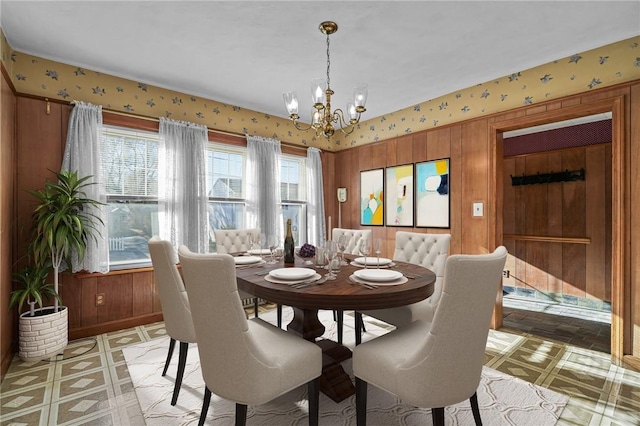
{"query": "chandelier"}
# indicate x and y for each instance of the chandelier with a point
(323, 120)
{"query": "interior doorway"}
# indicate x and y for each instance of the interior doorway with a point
(557, 228)
(614, 106)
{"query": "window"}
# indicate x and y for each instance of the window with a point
(130, 165)
(225, 188)
(293, 192)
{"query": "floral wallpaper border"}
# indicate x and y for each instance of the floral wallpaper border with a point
(605, 66)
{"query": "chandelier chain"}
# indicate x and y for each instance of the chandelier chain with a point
(328, 64)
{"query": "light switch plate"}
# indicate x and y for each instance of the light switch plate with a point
(477, 209)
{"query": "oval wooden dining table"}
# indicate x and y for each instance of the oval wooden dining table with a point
(339, 294)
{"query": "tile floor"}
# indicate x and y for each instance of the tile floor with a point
(90, 385)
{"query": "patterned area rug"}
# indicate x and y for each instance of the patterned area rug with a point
(503, 399)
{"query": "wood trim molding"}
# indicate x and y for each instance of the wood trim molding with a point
(7, 78)
(615, 105)
(538, 238)
(108, 327)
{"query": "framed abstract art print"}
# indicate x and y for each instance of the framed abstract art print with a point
(432, 194)
(398, 195)
(372, 197)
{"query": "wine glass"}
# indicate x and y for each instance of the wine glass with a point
(272, 241)
(377, 249)
(251, 239)
(365, 249)
(330, 252)
(342, 246)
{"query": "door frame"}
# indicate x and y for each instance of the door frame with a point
(619, 217)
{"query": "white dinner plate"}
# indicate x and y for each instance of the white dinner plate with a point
(275, 280)
(362, 265)
(292, 273)
(246, 260)
(372, 261)
(259, 252)
(399, 281)
(378, 275)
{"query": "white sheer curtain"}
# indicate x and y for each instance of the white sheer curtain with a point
(315, 198)
(82, 153)
(182, 195)
(263, 185)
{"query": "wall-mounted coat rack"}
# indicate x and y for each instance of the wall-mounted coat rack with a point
(566, 176)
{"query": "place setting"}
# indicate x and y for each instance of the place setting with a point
(248, 261)
(294, 277)
(374, 278)
(372, 262)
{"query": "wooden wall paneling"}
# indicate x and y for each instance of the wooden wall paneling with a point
(633, 201)
(378, 155)
(118, 297)
(143, 288)
(509, 197)
(392, 152)
(520, 273)
(377, 159)
(8, 317)
(354, 198)
(157, 305)
(404, 149)
(554, 105)
(439, 143)
(536, 204)
(345, 178)
(329, 186)
(508, 115)
(420, 141)
(596, 221)
(554, 226)
(474, 186)
(510, 264)
(607, 214)
(572, 101)
(574, 225)
(455, 189)
(37, 132)
(520, 198)
(342, 182)
(536, 109)
(394, 155)
(88, 290)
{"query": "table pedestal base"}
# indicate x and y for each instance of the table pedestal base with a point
(334, 381)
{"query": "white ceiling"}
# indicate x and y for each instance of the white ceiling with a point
(248, 53)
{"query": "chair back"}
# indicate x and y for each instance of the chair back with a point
(233, 240)
(428, 250)
(451, 356)
(354, 236)
(173, 296)
(230, 357)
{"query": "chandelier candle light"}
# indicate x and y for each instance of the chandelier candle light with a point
(322, 118)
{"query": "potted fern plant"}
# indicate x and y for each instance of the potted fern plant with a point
(62, 224)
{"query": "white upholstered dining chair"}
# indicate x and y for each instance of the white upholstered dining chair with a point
(428, 250)
(353, 240)
(237, 241)
(439, 363)
(175, 305)
(245, 361)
